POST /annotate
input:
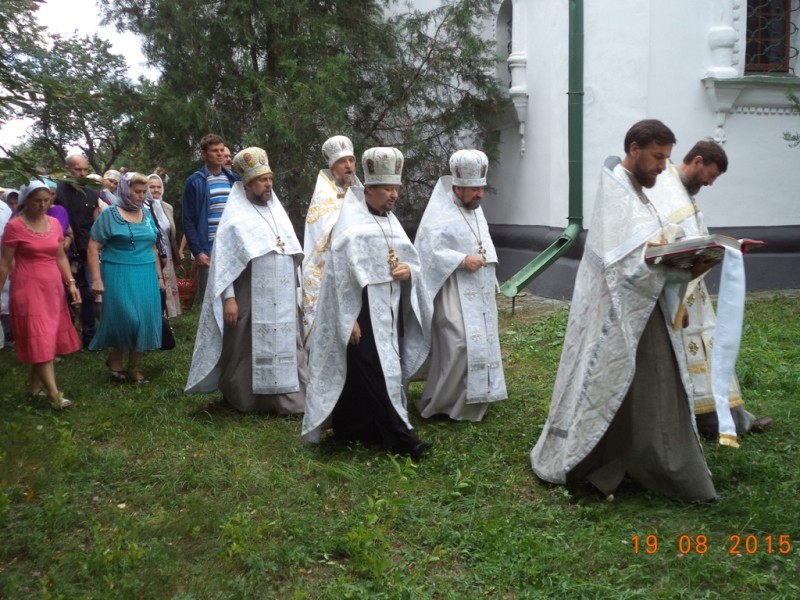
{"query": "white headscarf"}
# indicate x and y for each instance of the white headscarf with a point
(27, 189)
(155, 203)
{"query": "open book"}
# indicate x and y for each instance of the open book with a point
(685, 252)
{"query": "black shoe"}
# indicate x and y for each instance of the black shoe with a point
(418, 451)
(760, 425)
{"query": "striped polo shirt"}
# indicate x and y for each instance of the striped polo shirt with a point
(219, 188)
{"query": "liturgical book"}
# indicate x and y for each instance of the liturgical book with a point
(685, 252)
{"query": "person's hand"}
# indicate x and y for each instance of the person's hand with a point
(161, 284)
(701, 266)
(473, 263)
(203, 260)
(98, 287)
(74, 294)
(230, 312)
(401, 272)
(355, 337)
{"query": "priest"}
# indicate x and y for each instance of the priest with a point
(249, 341)
(459, 258)
(620, 405)
(367, 332)
(326, 202)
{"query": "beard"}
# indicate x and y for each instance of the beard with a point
(261, 199)
(693, 187)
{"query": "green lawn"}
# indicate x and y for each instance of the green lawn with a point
(142, 492)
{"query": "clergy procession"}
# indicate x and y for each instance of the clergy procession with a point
(337, 326)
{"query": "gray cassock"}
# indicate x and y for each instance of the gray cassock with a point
(260, 364)
(466, 369)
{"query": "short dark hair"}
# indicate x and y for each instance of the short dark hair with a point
(711, 152)
(648, 131)
(210, 139)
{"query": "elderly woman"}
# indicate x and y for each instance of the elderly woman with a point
(33, 244)
(162, 214)
(128, 279)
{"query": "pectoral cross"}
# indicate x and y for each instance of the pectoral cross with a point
(280, 243)
(481, 250)
(393, 260)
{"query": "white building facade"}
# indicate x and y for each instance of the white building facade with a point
(685, 62)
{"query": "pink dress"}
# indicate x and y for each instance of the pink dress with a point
(40, 317)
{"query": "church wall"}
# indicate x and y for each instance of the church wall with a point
(643, 60)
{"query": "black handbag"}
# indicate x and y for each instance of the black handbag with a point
(167, 335)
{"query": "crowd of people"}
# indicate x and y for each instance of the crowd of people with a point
(336, 326)
(110, 241)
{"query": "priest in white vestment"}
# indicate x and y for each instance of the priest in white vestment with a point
(620, 404)
(701, 166)
(326, 202)
(249, 341)
(459, 260)
(367, 335)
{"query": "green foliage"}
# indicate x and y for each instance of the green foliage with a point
(20, 39)
(286, 75)
(86, 100)
(793, 138)
(142, 492)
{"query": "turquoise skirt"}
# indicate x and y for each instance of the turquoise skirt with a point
(131, 308)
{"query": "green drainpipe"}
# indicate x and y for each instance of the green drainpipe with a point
(575, 132)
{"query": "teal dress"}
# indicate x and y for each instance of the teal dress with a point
(131, 315)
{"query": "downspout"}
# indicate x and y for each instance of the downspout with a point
(575, 168)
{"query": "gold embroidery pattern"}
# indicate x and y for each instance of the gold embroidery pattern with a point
(693, 348)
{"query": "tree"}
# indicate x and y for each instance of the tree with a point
(20, 39)
(85, 99)
(287, 74)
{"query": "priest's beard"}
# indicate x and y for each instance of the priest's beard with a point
(692, 188)
(261, 199)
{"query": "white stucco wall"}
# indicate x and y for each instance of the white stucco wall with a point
(642, 60)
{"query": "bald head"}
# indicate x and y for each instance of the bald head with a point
(77, 165)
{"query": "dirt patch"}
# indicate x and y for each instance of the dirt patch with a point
(526, 307)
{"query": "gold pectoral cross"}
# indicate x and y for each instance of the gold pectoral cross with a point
(393, 260)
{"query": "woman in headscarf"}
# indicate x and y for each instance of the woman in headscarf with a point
(60, 214)
(162, 214)
(40, 318)
(129, 279)
(11, 198)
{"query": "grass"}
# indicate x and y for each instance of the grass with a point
(142, 492)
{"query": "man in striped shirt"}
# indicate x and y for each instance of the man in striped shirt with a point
(204, 197)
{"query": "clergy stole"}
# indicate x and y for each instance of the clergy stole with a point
(485, 377)
(274, 325)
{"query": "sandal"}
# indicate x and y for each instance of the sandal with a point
(138, 377)
(117, 376)
(61, 403)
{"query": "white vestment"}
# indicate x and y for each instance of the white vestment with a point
(447, 234)
(326, 202)
(357, 258)
(615, 295)
(246, 234)
(670, 196)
